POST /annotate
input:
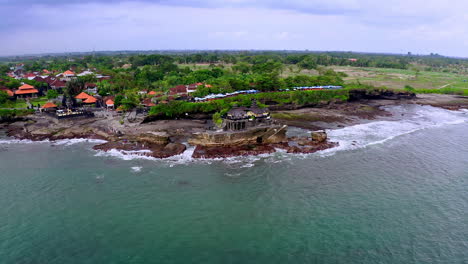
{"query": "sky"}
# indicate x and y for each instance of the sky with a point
(393, 26)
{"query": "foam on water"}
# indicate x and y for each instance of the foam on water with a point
(136, 169)
(126, 155)
(69, 142)
(412, 118)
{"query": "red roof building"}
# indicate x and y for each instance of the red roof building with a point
(83, 96)
(49, 105)
(110, 102)
(178, 90)
(148, 103)
(68, 73)
(57, 84)
(90, 100)
(26, 89)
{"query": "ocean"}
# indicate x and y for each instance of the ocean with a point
(394, 191)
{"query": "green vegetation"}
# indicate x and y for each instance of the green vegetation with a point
(224, 72)
(7, 114)
(52, 94)
(181, 108)
(22, 104)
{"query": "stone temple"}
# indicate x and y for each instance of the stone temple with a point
(241, 118)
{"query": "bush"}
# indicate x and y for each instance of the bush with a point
(52, 94)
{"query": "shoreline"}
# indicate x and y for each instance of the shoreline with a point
(167, 138)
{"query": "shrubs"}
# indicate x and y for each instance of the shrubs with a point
(446, 90)
(9, 114)
(180, 108)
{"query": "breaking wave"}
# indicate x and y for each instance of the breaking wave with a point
(407, 119)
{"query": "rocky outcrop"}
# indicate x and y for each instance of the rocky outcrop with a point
(159, 138)
(256, 135)
(319, 136)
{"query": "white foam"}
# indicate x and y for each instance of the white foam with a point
(20, 141)
(136, 169)
(413, 118)
(125, 155)
(69, 142)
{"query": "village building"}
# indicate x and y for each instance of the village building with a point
(66, 76)
(110, 104)
(240, 118)
(26, 90)
(49, 107)
(180, 90)
(57, 84)
(86, 99)
(91, 88)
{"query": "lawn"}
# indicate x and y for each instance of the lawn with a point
(21, 103)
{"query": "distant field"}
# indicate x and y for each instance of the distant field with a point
(396, 78)
(391, 78)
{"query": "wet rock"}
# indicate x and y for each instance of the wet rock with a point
(319, 136)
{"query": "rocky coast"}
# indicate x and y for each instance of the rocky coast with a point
(166, 138)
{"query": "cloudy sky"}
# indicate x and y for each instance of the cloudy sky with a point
(397, 26)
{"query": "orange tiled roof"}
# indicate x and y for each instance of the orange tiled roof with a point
(68, 72)
(109, 102)
(152, 93)
(90, 100)
(83, 96)
(27, 91)
(26, 87)
(49, 105)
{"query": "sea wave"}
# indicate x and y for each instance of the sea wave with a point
(410, 118)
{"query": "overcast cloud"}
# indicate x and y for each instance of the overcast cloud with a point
(397, 26)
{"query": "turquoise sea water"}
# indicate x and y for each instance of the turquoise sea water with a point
(394, 192)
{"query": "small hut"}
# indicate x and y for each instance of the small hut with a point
(110, 104)
(49, 107)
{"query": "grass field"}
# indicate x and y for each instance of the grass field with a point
(21, 103)
(397, 78)
(391, 78)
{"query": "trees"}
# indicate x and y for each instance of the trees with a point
(3, 97)
(52, 94)
(74, 87)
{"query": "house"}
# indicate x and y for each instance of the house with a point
(29, 76)
(193, 87)
(178, 90)
(148, 103)
(66, 76)
(91, 88)
(86, 98)
(84, 73)
(57, 84)
(240, 118)
(49, 107)
(26, 90)
(110, 103)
